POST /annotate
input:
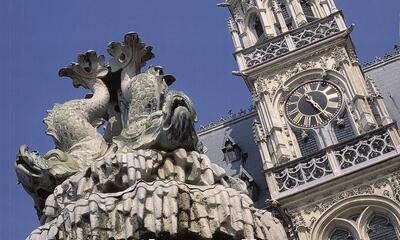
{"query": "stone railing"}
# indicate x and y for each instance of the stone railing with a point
(364, 150)
(314, 32)
(265, 52)
(333, 162)
(291, 40)
(302, 172)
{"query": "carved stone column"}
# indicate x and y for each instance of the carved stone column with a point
(266, 22)
(332, 5)
(299, 17)
(348, 61)
(273, 128)
(281, 20)
(233, 29)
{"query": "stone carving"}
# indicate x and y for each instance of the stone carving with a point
(295, 174)
(386, 184)
(145, 178)
(304, 172)
(232, 25)
(280, 45)
(314, 32)
(153, 116)
(72, 126)
(364, 150)
(158, 205)
(373, 90)
(265, 52)
(258, 132)
(306, 217)
(275, 80)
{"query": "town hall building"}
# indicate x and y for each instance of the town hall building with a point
(320, 146)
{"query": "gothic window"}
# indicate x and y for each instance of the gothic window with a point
(257, 26)
(341, 234)
(381, 228)
(307, 9)
(343, 129)
(307, 142)
(363, 221)
(232, 151)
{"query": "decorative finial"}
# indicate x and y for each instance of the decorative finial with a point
(130, 51)
(89, 66)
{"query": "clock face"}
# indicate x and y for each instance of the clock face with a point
(313, 104)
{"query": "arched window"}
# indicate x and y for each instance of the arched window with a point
(381, 228)
(341, 234)
(363, 221)
(257, 26)
(307, 9)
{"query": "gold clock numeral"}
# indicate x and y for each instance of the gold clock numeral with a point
(318, 85)
(327, 89)
(307, 88)
(298, 118)
(292, 112)
(291, 103)
(332, 104)
(318, 119)
(297, 94)
(307, 121)
(327, 114)
(332, 96)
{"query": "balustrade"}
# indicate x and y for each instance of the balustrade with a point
(289, 41)
(334, 161)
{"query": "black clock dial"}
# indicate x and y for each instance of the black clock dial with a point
(313, 104)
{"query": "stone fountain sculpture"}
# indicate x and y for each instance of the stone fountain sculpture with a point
(144, 177)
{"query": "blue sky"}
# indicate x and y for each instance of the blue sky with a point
(190, 40)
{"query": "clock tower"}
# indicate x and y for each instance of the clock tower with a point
(330, 149)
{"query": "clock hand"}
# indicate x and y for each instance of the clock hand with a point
(317, 106)
(314, 103)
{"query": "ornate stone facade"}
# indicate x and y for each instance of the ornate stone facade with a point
(324, 132)
(383, 188)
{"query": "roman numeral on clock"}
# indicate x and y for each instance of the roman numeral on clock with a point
(332, 96)
(298, 118)
(307, 88)
(307, 121)
(297, 94)
(333, 104)
(292, 112)
(318, 119)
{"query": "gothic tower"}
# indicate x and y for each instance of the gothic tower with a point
(330, 149)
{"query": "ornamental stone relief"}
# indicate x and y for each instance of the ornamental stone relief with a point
(387, 186)
(240, 8)
(331, 59)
